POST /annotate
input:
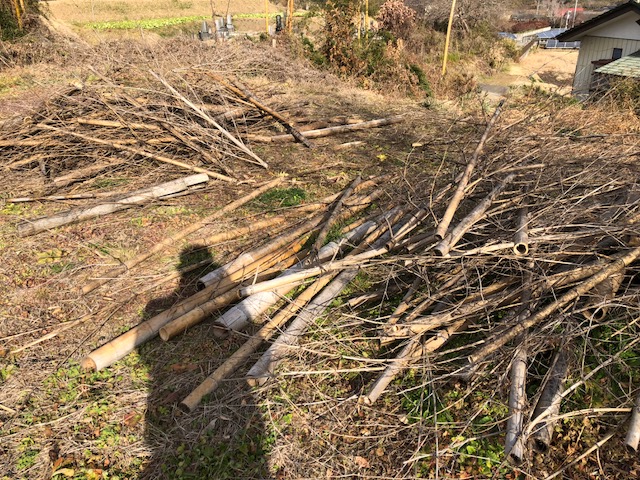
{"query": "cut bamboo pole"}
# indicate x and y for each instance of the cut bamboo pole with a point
(550, 399)
(514, 442)
(199, 313)
(350, 261)
(176, 237)
(263, 368)
(324, 231)
(121, 346)
(31, 227)
(326, 132)
(202, 114)
(495, 343)
(633, 433)
(249, 257)
(212, 382)
(283, 239)
(137, 151)
(407, 356)
(458, 195)
(450, 240)
(244, 93)
(239, 316)
(521, 237)
(115, 124)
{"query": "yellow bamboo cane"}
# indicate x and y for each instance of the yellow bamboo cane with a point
(446, 43)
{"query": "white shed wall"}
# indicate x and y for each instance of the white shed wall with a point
(598, 48)
(624, 26)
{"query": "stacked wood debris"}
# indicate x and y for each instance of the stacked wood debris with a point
(509, 260)
(516, 256)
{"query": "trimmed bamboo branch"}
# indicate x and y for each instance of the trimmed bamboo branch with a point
(443, 226)
(31, 227)
(322, 235)
(243, 93)
(176, 237)
(86, 172)
(407, 356)
(202, 114)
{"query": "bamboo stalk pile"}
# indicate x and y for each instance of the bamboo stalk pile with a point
(508, 262)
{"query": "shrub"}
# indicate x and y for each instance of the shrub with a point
(397, 18)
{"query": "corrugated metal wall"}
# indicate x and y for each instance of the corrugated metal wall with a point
(597, 48)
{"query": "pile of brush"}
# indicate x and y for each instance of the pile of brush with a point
(516, 258)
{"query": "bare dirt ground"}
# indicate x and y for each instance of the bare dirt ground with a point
(551, 70)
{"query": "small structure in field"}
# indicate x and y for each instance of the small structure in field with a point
(604, 39)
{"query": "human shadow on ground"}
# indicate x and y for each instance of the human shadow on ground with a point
(225, 436)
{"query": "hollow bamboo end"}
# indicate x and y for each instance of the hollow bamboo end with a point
(365, 400)
(165, 335)
(186, 406)
(89, 363)
(200, 286)
(596, 314)
(521, 249)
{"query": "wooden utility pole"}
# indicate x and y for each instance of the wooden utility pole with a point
(289, 24)
(366, 15)
(446, 43)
